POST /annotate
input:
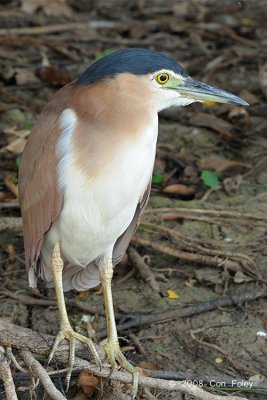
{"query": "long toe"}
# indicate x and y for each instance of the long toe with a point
(69, 334)
(115, 355)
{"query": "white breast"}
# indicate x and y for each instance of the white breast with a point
(98, 210)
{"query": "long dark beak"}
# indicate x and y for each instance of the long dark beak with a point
(200, 91)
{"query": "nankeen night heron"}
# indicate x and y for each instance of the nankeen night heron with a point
(85, 176)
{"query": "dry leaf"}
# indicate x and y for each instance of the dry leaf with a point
(148, 365)
(25, 76)
(82, 296)
(16, 146)
(219, 165)
(191, 282)
(210, 121)
(57, 8)
(209, 275)
(231, 185)
(87, 382)
(180, 189)
(13, 187)
(13, 130)
(240, 277)
(53, 76)
(263, 79)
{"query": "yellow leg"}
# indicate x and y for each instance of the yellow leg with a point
(66, 331)
(112, 347)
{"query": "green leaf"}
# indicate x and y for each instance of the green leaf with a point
(18, 160)
(157, 178)
(28, 125)
(103, 54)
(210, 178)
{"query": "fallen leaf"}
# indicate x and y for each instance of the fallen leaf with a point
(180, 189)
(210, 121)
(240, 277)
(82, 295)
(50, 7)
(220, 165)
(172, 295)
(13, 187)
(210, 179)
(157, 178)
(148, 365)
(13, 130)
(231, 185)
(208, 275)
(25, 76)
(257, 377)
(263, 79)
(191, 282)
(88, 382)
(16, 146)
(53, 76)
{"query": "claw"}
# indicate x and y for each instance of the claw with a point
(69, 334)
(114, 354)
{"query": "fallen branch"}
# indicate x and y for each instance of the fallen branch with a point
(23, 338)
(42, 30)
(200, 259)
(146, 274)
(211, 258)
(6, 376)
(183, 212)
(134, 321)
(32, 301)
(12, 223)
(246, 262)
(38, 370)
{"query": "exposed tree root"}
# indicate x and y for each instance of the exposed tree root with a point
(28, 342)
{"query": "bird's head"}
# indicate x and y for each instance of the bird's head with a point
(154, 75)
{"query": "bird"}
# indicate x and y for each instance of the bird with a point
(85, 177)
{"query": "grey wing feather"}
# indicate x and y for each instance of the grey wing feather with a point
(123, 241)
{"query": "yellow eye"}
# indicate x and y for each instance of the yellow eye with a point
(162, 78)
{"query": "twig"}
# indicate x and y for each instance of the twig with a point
(13, 204)
(149, 395)
(31, 301)
(146, 274)
(214, 347)
(42, 30)
(12, 358)
(137, 343)
(25, 338)
(6, 376)
(201, 259)
(37, 369)
(22, 338)
(215, 213)
(223, 301)
(12, 223)
(188, 242)
(167, 375)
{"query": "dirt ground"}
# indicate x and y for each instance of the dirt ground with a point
(204, 235)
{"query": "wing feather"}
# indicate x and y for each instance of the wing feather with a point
(39, 194)
(123, 241)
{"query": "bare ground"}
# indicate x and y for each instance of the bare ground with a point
(204, 255)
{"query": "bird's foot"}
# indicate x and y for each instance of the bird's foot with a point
(66, 332)
(115, 356)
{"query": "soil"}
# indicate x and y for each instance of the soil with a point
(222, 43)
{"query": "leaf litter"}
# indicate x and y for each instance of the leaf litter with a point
(201, 148)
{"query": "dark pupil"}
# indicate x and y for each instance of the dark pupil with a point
(163, 78)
